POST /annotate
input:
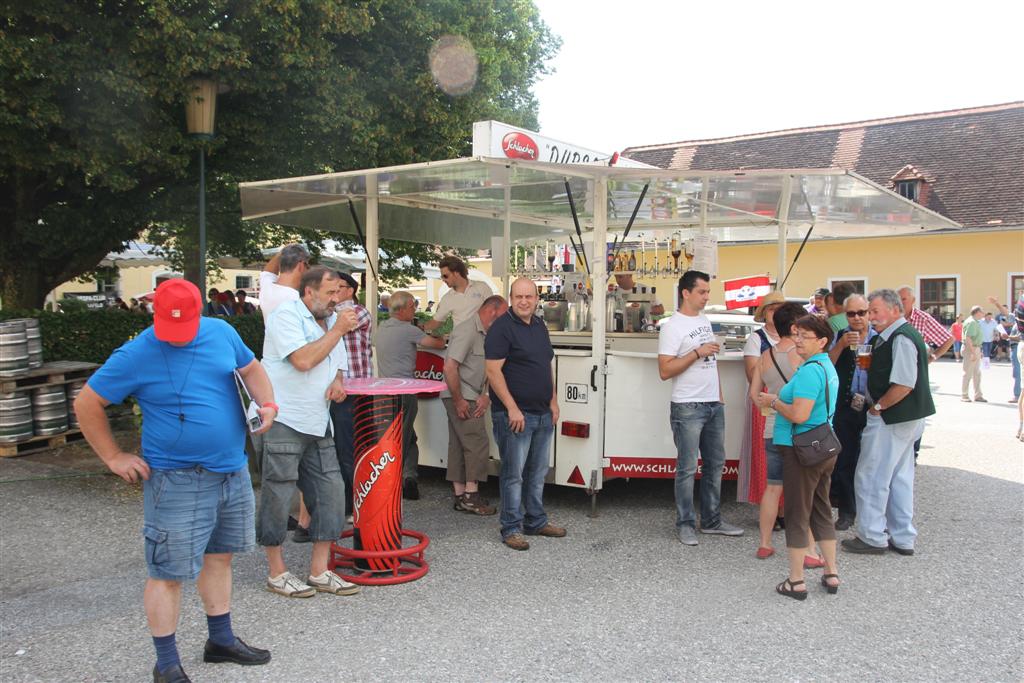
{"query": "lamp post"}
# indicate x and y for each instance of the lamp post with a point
(200, 111)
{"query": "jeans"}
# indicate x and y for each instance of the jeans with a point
(289, 458)
(344, 444)
(884, 483)
(1015, 361)
(410, 444)
(698, 427)
(524, 464)
(986, 349)
(190, 512)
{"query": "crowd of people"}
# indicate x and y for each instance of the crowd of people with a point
(832, 429)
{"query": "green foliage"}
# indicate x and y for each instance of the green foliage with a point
(93, 146)
(92, 335)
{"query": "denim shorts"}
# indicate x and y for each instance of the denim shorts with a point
(774, 460)
(191, 512)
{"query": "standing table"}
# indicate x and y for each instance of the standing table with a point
(377, 555)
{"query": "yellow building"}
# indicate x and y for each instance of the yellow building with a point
(964, 164)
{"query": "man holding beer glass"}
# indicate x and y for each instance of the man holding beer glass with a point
(851, 354)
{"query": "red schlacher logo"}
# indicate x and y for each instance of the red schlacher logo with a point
(377, 494)
(517, 145)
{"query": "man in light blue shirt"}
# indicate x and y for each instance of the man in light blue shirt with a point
(305, 358)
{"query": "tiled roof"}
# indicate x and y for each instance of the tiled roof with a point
(971, 159)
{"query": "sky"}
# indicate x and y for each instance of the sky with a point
(654, 71)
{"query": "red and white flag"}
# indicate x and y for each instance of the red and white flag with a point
(745, 291)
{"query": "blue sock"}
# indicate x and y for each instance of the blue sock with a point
(166, 652)
(220, 629)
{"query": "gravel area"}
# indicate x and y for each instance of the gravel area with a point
(618, 599)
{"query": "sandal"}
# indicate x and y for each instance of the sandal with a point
(832, 589)
(782, 589)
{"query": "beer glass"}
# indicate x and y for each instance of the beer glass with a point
(864, 356)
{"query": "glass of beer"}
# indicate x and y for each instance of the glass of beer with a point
(864, 356)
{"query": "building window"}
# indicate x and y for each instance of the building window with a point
(938, 297)
(243, 282)
(859, 286)
(909, 189)
(1016, 289)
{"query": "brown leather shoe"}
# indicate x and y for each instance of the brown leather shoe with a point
(516, 542)
(549, 530)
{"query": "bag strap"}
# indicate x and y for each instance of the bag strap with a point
(828, 403)
(771, 354)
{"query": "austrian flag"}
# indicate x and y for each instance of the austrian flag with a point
(745, 291)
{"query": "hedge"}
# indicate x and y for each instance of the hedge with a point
(92, 335)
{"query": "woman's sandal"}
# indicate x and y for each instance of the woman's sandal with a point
(832, 589)
(782, 589)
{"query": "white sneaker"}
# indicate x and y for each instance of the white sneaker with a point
(723, 529)
(290, 586)
(329, 582)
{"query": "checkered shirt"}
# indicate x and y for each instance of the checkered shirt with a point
(931, 329)
(357, 342)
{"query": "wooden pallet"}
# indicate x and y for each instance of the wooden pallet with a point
(59, 372)
(40, 443)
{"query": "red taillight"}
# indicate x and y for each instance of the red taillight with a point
(578, 429)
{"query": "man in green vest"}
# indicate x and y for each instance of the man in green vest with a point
(900, 400)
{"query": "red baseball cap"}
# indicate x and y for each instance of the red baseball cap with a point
(177, 308)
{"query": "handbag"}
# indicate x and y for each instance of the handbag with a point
(817, 445)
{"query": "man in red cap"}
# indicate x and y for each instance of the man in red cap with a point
(199, 507)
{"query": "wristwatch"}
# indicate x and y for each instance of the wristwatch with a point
(877, 407)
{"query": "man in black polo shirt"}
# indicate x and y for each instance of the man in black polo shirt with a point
(518, 357)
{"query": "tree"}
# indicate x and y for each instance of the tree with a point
(93, 147)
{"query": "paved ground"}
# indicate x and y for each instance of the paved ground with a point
(619, 599)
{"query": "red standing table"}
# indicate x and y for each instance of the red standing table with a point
(378, 555)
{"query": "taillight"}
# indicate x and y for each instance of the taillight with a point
(580, 430)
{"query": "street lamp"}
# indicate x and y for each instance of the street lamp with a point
(200, 110)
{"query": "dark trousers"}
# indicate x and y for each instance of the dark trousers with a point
(410, 445)
(848, 424)
(344, 444)
(807, 505)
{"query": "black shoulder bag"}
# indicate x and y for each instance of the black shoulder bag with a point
(817, 445)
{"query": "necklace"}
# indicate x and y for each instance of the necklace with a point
(178, 392)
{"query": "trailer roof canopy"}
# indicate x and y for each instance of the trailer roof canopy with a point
(461, 202)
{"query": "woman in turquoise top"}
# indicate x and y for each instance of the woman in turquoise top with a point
(800, 407)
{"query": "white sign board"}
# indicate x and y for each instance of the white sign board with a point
(500, 140)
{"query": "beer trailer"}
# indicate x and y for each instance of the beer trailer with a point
(614, 407)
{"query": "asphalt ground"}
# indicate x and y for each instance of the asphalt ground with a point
(618, 599)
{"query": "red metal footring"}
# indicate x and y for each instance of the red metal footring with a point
(409, 563)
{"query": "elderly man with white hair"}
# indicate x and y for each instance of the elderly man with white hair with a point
(900, 400)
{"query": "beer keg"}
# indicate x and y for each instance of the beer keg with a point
(13, 348)
(35, 343)
(73, 389)
(50, 410)
(15, 417)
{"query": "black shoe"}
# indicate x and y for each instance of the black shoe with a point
(301, 535)
(855, 545)
(239, 653)
(292, 523)
(173, 675)
(780, 524)
(410, 489)
(844, 522)
(906, 552)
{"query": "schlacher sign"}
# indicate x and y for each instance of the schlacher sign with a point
(496, 139)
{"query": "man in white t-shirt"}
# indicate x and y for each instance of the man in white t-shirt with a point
(279, 281)
(463, 300)
(686, 355)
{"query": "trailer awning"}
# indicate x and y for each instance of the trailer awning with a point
(461, 202)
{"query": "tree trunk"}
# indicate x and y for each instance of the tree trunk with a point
(22, 286)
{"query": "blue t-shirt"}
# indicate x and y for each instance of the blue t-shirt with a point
(526, 350)
(807, 382)
(194, 381)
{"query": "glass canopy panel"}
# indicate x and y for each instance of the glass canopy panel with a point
(461, 202)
